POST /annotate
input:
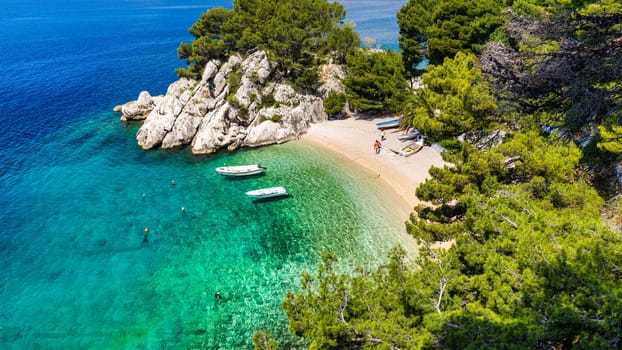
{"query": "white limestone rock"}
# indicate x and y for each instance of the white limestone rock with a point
(198, 113)
(255, 71)
(285, 94)
(183, 131)
(285, 123)
(220, 79)
(269, 132)
(257, 67)
(331, 77)
(213, 131)
(139, 109)
(157, 124)
(204, 90)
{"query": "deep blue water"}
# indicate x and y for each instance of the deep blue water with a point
(77, 192)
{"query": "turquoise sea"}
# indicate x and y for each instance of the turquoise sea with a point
(78, 193)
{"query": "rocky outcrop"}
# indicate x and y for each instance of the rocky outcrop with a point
(332, 76)
(238, 103)
(139, 109)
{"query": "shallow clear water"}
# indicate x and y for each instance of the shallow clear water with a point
(77, 194)
(76, 272)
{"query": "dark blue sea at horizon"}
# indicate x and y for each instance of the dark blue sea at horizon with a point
(77, 193)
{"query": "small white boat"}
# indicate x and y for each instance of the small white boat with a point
(267, 192)
(408, 135)
(240, 170)
(411, 147)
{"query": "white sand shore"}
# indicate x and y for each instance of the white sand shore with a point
(354, 138)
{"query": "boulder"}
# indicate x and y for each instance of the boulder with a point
(285, 94)
(213, 131)
(255, 72)
(139, 109)
(220, 79)
(269, 132)
(159, 121)
(183, 131)
(285, 123)
(257, 67)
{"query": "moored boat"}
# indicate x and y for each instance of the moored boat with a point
(412, 147)
(267, 192)
(388, 124)
(408, 135)
(240, 170)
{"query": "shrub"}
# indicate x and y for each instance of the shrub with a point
(275, 118)
(334, 103)
(269, 101)
(235, 81)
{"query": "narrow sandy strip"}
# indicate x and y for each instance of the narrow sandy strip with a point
(353, 138)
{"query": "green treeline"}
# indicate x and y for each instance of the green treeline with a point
(299, 35)
(536, 258)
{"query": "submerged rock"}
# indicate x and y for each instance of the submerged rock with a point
(209, 116)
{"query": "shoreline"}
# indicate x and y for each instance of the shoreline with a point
(352, 138)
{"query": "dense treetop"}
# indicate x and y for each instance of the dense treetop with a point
(298, 34)
(375, 80)
(456, 99)
(441, 28)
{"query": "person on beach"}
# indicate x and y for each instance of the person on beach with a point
(377, 146)
(382, 136)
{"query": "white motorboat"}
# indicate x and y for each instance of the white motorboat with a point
(240, 170)
(409, 135)
(267, 192)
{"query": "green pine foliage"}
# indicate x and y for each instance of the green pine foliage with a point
(456, 99)
(299, 34)
(264, 340)
(611, 140)
(413, 19)
(334, 103)
(375, 80)
(443, 28)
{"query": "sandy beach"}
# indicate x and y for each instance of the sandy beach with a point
(353, 138)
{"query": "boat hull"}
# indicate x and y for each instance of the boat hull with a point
(270, 192)
(393, 123)
(410, 135)
(411, 148)
(240, 170)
